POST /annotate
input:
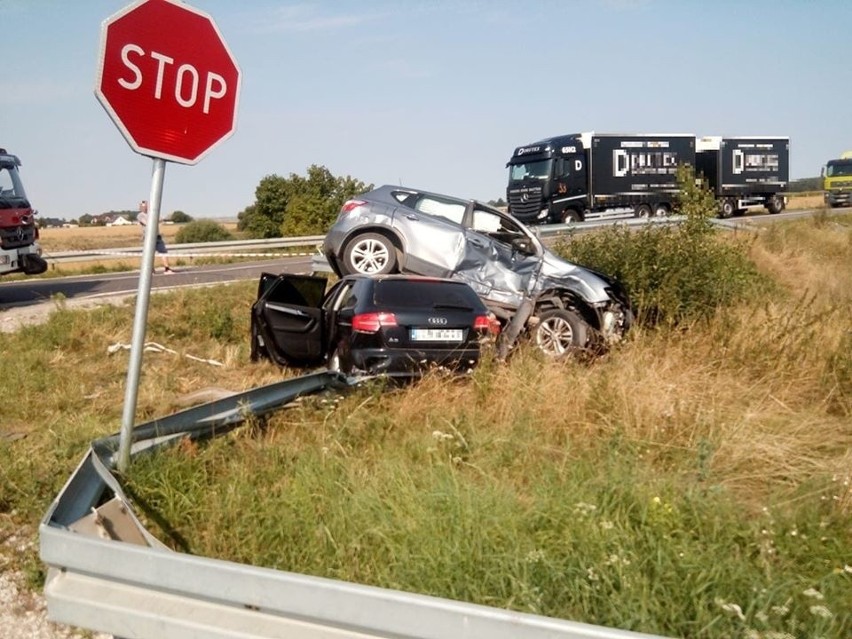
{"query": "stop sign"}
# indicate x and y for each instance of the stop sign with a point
(167, 79)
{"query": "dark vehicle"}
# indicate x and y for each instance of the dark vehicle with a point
(19, 248)
(369, 324)
(745, 172)
(572, 178)
(398, 229)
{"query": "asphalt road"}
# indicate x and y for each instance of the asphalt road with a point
(35, 291)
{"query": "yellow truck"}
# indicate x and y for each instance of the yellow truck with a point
(837, 181)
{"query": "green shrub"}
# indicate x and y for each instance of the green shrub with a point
(674, 274)
(203, 231)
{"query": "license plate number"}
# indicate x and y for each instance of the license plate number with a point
(436, 334)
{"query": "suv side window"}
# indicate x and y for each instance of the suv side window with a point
(502, 229)
(452, 211)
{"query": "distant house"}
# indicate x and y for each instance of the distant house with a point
(119, 220)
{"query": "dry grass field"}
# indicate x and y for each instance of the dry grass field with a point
(86, 238)
(799, 202)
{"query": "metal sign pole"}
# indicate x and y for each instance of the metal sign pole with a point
(140, 320)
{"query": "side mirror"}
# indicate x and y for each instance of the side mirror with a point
(822, 171)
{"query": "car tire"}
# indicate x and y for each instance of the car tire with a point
(560, 331)
(661, 210)
(369, 254)
(642, 211)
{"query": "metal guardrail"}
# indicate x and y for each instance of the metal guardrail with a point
(191, 249)
(107, 573)
(243, 247)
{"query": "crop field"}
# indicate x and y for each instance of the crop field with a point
(84, 238)
(694, 481)
(87, 238)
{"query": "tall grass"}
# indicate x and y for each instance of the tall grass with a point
(694, 482)
(654, 505)
(674, 274)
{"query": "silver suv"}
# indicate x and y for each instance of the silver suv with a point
(396, 229)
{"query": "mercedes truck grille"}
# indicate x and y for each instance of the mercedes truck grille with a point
(17, 236)
(525, 202)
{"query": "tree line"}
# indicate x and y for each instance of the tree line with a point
(298, 205)
(87, 219)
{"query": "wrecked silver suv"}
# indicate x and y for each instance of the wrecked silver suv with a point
(564, 306)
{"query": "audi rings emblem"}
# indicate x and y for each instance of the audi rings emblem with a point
(438, 321)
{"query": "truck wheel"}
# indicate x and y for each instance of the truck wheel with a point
(370, 254)
(727, 208)
(570, 215)
(775, 204)
(642, 210)
(560, 331)
(661, 210)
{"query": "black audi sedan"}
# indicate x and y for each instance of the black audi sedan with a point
(369, 324)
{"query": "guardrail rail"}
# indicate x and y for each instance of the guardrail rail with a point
(107, 573)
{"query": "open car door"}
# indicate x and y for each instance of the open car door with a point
(287, 319)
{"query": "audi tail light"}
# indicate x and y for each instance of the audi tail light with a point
(372, 322)
(486, 324)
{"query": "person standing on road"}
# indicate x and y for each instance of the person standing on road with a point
(142, 218)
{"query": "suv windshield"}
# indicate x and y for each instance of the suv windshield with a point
(539, 169)
(427, 294)
(838, 168)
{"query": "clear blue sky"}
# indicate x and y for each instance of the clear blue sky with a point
(430, 94)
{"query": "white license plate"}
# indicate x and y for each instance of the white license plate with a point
(436, 335)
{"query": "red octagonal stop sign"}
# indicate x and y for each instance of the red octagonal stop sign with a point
(168, 80)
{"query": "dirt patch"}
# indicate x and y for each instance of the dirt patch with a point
(23, 613)
(16, 317)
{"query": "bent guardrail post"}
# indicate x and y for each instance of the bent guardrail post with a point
(108, 574)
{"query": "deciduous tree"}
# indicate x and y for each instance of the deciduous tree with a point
(298, 205)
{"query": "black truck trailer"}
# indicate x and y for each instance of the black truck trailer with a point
(745, 172)
(586, 175)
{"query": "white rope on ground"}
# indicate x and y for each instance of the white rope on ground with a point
(154, 347)
(176, 254)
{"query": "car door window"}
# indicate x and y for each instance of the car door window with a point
(452, 211)
(290, 319)
(498, 227)
(296, 290)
